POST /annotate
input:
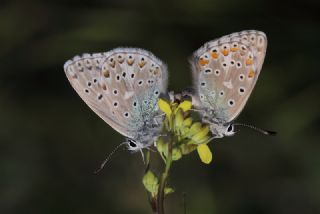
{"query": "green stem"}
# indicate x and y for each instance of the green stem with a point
(163, 180)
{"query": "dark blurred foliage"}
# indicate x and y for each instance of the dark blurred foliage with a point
(51, 142)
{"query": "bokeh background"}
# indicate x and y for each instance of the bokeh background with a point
(51, 142)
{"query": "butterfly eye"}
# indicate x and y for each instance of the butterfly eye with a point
(132, 143)
(230, 128)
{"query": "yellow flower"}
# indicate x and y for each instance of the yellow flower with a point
(204, 153)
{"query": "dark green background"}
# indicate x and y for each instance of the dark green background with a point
(51, 142)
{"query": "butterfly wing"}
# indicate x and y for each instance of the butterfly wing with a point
(225, 72)
(116, 84)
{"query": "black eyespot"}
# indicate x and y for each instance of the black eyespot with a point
(115, 91)
(132, 76)
(132, 143)
(100, 97)
(89, 84)
(115, 104)
(224, 64)
(118, 77)
(230, 128)
(87, 91)
(134, 103)
(231, 102)
(130, 57)
(203, 84)
(140, 82)
(95, 80)
(124, 74)
(156, 92)
(207, 71)
(126, 114)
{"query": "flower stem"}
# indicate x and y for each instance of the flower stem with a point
(163, 180)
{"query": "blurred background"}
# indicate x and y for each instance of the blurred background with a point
(51, 142)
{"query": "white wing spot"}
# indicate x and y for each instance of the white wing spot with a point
(128, 94)
(228, 84)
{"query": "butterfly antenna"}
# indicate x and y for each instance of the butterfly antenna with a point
(263, 131)
(108, 158)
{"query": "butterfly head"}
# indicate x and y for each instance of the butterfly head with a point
(134, 145)
(220, 130)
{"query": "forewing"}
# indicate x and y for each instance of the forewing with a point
(109, 85)
(225, 72)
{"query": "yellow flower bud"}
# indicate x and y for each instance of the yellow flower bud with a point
(185, 105)
(187, 122)
(195, 128)
(164, 107)
(204, 153)
(176, 154)
(200, 136)
(178, 119)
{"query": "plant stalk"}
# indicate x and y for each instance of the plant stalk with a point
(163, 180)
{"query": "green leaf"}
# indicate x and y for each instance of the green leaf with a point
(151, 183)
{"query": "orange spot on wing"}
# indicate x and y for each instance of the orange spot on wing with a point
(249, 62)
(203, 62)
(130, 62)
(233, 49)
(141, 64)
(214, 55)
(225, 52)
(251, 73)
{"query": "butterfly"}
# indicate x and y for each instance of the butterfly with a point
(225, 71)
(122, 87)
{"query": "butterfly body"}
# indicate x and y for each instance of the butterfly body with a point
(122, 86)
(225, 72)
